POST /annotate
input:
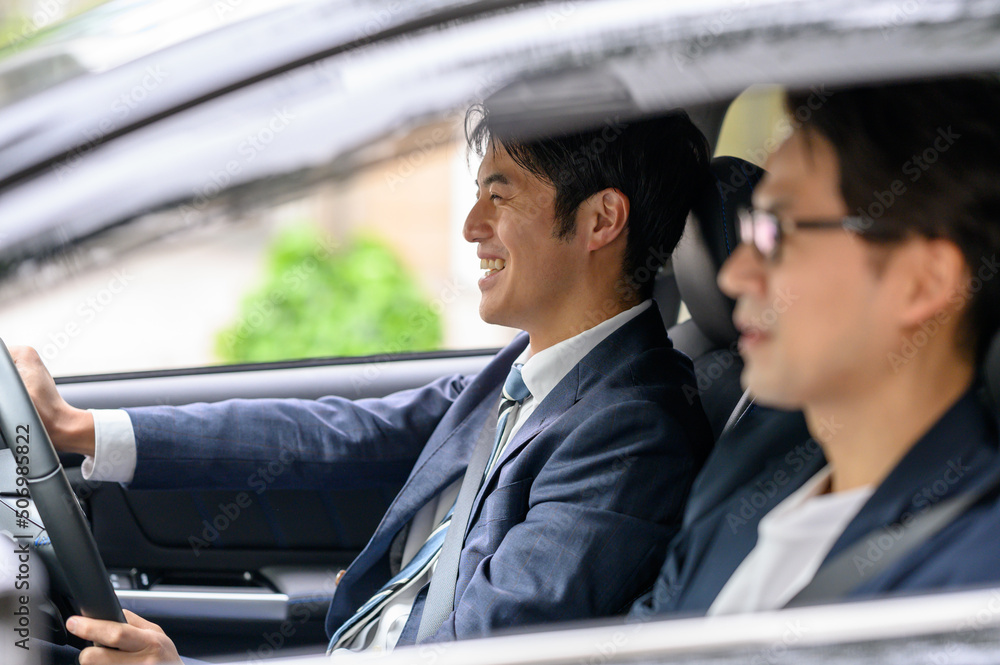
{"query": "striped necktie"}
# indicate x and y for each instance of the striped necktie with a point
(514, 392)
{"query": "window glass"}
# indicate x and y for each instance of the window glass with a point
(371, 264)
(45, 42)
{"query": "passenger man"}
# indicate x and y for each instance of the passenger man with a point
(881, 216)
(585, 477)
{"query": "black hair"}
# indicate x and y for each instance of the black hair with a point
(658, 163)
(923, 158)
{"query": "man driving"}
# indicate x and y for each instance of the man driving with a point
(544, 488)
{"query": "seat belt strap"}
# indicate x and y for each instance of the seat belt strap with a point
(746, 401)
(441, 595)
(852, 567)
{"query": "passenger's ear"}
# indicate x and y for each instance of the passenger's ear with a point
(939, 282)
(605, 217)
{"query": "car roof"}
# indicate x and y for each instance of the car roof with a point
(324, 80)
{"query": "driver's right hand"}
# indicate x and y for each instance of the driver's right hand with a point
(71, 429)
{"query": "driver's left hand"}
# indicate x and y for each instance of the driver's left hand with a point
(139, 641)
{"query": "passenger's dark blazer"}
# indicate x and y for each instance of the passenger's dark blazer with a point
(573, 523)
(958, 453)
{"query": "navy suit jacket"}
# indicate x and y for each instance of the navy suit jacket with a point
(572, 523)
(957, 454)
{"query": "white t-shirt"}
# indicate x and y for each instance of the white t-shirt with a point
(792, 542)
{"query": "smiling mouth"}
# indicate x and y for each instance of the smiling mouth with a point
(492, 266)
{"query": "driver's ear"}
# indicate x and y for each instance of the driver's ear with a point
(603, 217)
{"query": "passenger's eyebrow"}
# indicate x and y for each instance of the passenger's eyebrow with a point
(492, 178)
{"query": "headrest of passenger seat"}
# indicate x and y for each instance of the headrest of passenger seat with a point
(709, 238)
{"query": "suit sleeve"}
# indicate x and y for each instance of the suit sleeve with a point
(600, 514)
(301, 444)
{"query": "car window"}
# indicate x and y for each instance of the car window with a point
(373, 263)
(45, 43)
(370, 264)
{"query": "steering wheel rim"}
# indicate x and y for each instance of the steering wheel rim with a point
(57, 505)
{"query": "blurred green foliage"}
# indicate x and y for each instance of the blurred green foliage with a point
(23, 26)
(321, 300)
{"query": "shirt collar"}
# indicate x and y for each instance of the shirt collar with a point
(544, 370)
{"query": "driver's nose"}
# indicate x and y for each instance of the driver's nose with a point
(476, 227)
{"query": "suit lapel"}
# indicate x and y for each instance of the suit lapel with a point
(643, 332)
(946, 460)
(563, 396)
(741, 519)
(446, 456)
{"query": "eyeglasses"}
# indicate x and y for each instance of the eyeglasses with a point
(765, 230)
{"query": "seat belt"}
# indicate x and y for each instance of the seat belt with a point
(438, 606)
(841, 575)
(746, 401)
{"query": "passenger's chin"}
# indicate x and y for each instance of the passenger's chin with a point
(768, 389)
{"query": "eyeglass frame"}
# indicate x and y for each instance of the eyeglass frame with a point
(746, 217)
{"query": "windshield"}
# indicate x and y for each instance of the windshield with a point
(40, 48)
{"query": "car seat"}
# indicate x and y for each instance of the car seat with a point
(709, 336)
(754, 434)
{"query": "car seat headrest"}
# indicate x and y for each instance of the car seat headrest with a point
(709, 238)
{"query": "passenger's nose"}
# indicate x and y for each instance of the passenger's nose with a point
(743, 273)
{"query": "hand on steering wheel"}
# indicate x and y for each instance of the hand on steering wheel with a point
(65, 524)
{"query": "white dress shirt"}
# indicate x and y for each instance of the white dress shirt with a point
(115, 459)
(792, 542)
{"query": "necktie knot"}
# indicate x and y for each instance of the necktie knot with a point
(514, 388)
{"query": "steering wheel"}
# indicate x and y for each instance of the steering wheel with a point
(40, 474)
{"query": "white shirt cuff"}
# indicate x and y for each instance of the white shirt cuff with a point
(114, 448)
